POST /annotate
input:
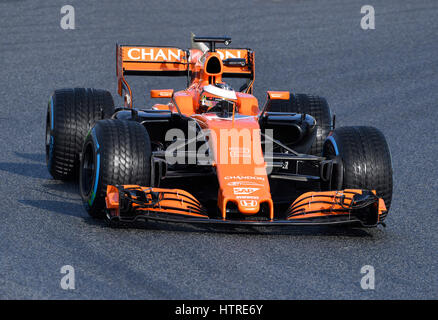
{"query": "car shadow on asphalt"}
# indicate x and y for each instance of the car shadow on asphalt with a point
(59, 207)
(55, 188)
(33, 170)
(37, 157)
(285, 230)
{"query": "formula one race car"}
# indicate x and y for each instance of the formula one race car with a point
(211, 154)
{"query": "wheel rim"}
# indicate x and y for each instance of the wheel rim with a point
(87, 169)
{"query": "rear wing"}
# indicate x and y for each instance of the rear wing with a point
(134, 60)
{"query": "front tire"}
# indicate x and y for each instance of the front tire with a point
(115, 152)
(365, 160)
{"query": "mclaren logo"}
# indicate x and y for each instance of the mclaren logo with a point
(245, 190)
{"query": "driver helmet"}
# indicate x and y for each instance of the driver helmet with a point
(218, 98)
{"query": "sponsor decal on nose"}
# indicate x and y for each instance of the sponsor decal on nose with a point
(244, 190)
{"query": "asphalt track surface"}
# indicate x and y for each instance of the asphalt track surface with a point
(385, 77)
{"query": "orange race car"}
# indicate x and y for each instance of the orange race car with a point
(234, 162)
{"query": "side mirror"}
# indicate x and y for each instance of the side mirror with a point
(234, 62)
(162, 93)
(278, 95)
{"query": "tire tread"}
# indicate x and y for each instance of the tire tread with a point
(75, 112)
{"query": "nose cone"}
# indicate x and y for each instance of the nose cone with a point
(247, 193)
(239, 164)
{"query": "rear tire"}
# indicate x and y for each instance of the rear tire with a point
(115, 152)
(366, 160)
(70, 115)
(315, 106)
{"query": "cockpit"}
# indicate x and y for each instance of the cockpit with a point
(219, 98)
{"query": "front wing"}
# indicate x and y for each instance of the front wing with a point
(130, 203)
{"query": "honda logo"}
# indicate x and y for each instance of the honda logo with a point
(248, 203)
